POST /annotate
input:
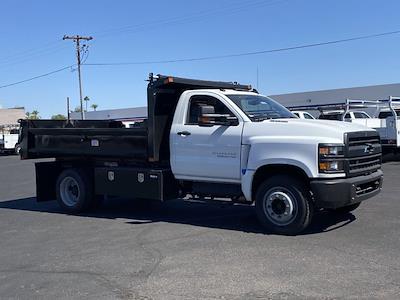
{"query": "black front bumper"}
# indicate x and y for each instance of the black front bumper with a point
(334, 193)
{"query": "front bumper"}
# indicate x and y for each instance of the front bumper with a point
(334, 193)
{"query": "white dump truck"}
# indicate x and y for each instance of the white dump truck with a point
(209, 139)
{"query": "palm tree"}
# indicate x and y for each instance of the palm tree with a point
(34, 115)
(94, 106)
(58, 117)
(86, 99)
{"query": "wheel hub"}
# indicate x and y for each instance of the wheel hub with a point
(73, 189)
(69, 191)
(280, 207)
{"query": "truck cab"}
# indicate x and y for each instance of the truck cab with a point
(386, 113)
(9, 142)
(247, 139)
(210, 140)
(344, 116)
(302, 114)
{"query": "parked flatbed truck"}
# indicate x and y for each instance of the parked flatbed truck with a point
(209, 139)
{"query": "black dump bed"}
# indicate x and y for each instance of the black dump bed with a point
(108, 139)
(91, 138)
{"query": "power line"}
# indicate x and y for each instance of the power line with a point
(212, 57)
(51, 48)
(187, 18)
(31, 51)
(363, 37)
(32, 56)
(36, 77)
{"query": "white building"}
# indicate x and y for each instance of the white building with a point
(9, 118)
(128, 116)
(373, 92)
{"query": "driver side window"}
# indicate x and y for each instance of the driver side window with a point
(195, 102)
(308, 116)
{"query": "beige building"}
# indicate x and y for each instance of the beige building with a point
(9, 118)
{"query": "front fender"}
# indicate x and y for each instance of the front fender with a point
(299, 154)
(248, 174)
(287, 162)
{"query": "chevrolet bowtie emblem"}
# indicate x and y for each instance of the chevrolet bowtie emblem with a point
(369, 148)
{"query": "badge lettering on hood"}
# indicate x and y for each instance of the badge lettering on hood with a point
(225, 154)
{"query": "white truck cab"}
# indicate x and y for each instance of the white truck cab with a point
(278, 160)
(9, 142)
(344, 116)
(387, 112)
(302, 114)
(386, 120)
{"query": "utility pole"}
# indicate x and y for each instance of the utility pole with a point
(77, 39)
(68, 116)
(257, 78)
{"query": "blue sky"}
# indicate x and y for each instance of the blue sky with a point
(131, 31)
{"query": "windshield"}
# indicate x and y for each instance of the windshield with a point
(335, 117)
(259, 108)
(385, 114)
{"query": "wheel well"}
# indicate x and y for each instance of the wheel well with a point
(47, 174)
(264, 172)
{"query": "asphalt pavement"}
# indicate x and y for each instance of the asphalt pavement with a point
(184, 250)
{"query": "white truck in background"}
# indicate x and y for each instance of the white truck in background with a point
(302, 114)
(385, 120)
(385, 117)
(10, 143)
(341, 115)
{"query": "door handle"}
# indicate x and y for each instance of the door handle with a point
(184, 133)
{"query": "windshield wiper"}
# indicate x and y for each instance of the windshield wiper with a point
(264, 116)
(259, 117)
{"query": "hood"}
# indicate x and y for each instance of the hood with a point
(324, 131)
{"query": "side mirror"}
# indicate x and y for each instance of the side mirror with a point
(208, 117)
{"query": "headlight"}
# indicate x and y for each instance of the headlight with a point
(330, 158)
(331, 166)
(330, 150)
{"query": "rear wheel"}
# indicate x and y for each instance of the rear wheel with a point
(74, 190)
(283, 205)
(17, 148)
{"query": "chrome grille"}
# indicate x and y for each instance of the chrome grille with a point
(363, 153)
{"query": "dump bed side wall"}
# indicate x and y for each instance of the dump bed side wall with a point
(47, 139)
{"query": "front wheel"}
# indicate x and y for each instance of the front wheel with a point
(283, 205)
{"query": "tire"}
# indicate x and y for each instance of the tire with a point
(75, 191)
(17, 149)
(284, 205)
(347, 209)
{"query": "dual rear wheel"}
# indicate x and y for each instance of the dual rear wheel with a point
(75, 191)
